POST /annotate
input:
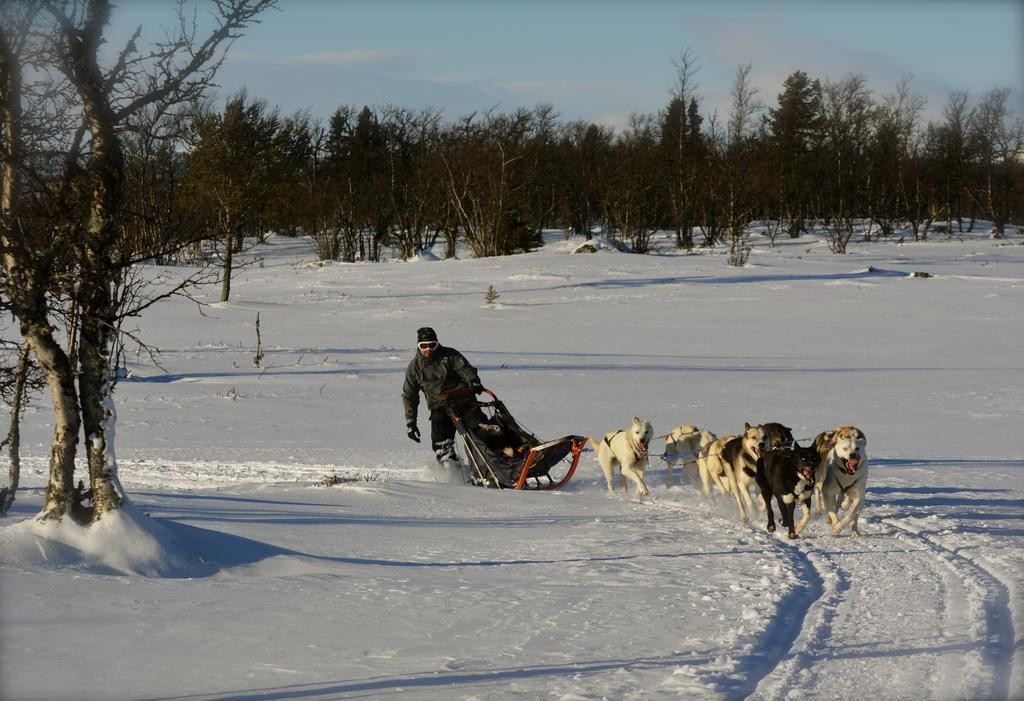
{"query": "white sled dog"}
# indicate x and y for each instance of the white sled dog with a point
(627, 450)
(684, 445)
(846, 477)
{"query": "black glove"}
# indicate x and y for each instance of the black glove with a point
(413, 433)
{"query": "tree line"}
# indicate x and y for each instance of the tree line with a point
(826, 152)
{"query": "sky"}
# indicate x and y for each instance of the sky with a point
(600, 60)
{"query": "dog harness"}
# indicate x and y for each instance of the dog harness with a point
(800, 491)
(636, 448)
(844, 488)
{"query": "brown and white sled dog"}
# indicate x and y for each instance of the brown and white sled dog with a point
(714, 470)
(627, 451)
(683, 446)
(823, 444)
(743, 454)
(846, 478)
(736, 458)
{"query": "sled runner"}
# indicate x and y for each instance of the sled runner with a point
(502, 454)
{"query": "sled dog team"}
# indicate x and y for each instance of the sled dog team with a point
(835, 468)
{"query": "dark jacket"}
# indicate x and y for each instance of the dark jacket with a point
(445, 370)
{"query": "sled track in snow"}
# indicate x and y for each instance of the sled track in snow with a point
(1000, 638)
(840, 630)
(804, 622)
(794, 648)
(789, 650)
(814, 616)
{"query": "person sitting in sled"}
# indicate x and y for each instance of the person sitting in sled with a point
(435, 371)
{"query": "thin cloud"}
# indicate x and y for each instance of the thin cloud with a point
(355, 57)
(564, 89)
(776, 50)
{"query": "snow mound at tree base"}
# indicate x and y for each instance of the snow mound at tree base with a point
(425, 256)
(125, 541)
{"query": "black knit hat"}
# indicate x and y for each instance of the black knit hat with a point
(425, 334)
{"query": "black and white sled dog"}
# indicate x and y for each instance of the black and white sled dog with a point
(627, 451)
(788, 475)
(683, 446)
(777, 436)
(846, 478)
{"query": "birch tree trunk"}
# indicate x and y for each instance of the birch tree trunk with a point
(229, 246)
(97, 266)
(60, 379)
(27, 292)
(13, 440)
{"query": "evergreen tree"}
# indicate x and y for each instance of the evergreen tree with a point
(231, 168)
(795, 127)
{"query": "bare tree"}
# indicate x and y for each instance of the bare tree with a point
(416, 183)
(92, 107)
(540, 201)
(997, 142)
(894, 188)
(681, 141)
(17, 384)
(738, 205)
(632, 197)
(341, 238)
(711, 223)
(584, 151)
(33, 251)
(848, 110)
(915, 203)
(484, 163)
(953, 154)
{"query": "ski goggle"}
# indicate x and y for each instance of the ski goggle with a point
(427, 345)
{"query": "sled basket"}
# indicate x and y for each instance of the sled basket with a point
(502, 454)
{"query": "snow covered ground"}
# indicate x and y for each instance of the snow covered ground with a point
(233, 576)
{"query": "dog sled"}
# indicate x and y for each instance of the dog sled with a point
(502, 454)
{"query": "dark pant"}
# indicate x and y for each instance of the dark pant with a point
(442, 435)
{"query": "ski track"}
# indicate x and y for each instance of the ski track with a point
(966, 596)
(1000, 635)
(802, 622)
(826, 586)
(814, 595)
(843, 628)
(792, 655)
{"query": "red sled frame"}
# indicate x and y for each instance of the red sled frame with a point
(468, 411)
